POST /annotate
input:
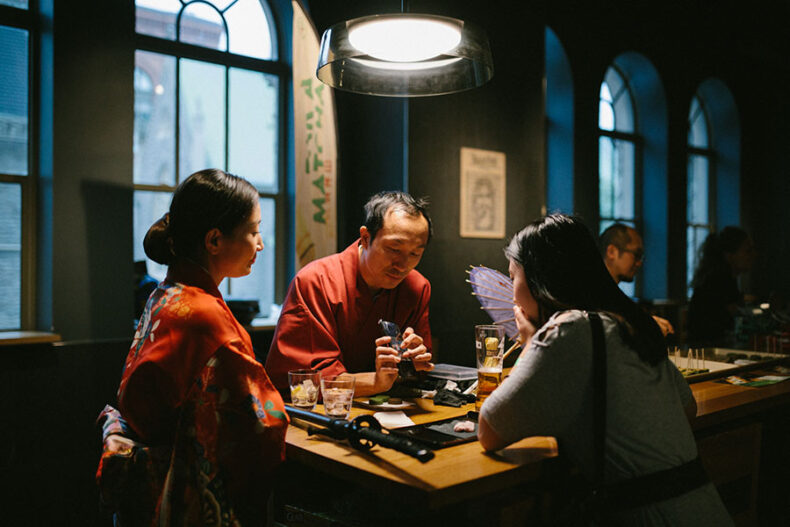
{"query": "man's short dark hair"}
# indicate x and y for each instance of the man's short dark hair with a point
(616, 234)
(378, 205)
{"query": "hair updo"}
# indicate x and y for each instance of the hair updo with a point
(205, 200)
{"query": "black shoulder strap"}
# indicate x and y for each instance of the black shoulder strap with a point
(599, 396)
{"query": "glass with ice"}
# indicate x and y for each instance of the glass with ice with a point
(490, 347)
(304, 388)
(338, 393)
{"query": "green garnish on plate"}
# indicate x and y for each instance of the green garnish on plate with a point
(379, 399)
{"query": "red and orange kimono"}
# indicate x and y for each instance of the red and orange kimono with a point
(329, 320)
(200, 428)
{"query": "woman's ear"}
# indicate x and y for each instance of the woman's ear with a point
(212, 241)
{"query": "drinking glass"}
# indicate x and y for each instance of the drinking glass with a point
(489, 347)
(304, 388)
(338, 393)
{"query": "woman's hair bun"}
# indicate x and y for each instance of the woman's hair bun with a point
(157, 242)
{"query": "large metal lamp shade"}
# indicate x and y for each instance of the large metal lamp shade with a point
(404, 55)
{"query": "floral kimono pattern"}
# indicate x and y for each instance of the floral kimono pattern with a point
(201, 427)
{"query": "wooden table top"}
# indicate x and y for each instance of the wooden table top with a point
(719, 402)
(466, 471)
(456, 473)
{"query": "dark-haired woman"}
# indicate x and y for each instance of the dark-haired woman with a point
(643, 452)
(716, 296)
(200, 427)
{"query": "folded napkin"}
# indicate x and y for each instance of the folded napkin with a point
(393, 419)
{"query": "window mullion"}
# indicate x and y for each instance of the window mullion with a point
(227, 141)
(191, 51)
(178, 120)
(623, 136)
(227, 118)
(17, 18)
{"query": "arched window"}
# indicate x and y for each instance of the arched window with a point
(632, 149)
(617, 150)
(209, 93)
(713, 167)
(559, 127)
(699, 164)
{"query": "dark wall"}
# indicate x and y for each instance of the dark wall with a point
(50, 397)
(505, 115)
(91, 178)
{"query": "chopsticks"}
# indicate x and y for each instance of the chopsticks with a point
(510, 350)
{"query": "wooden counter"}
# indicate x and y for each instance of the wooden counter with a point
(728, 428)
(15, 338)
(730, 431)
(719, 402)
(456, 474)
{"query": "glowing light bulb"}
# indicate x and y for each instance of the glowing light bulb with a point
(404, 39)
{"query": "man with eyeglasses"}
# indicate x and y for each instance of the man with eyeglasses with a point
(623, 252)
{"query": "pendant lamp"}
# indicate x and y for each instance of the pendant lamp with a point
(404, 55)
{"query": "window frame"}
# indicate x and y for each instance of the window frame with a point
(25, 19)
(633, 138)
(709, 153)
(638, 145)
(277, 67)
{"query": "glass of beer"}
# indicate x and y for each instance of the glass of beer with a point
(489, 346)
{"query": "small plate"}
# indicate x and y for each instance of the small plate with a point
(385, 406)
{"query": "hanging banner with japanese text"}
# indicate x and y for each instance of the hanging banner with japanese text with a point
(315, 147)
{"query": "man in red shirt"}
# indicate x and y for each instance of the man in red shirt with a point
(329, 320)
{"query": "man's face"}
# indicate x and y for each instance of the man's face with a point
(397, 249)
(624, 263)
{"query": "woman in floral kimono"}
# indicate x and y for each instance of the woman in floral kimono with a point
(199, 426)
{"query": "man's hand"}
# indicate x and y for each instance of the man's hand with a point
(415, 349)
(386, 365)
(664, 325)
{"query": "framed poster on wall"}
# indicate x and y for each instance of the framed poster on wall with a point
(482, 193)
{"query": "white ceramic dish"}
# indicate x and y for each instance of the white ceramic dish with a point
(385, 406)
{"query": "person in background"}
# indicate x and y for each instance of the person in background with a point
(329, 319)
(716, 297)
(623, 253)
(559, 282)
(199, 427)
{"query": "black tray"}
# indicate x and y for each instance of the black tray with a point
(431, 434)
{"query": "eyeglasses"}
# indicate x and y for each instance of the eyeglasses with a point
(639, 254)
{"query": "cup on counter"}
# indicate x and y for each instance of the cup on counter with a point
(304, 386)
(338, 394)
(489, 347)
